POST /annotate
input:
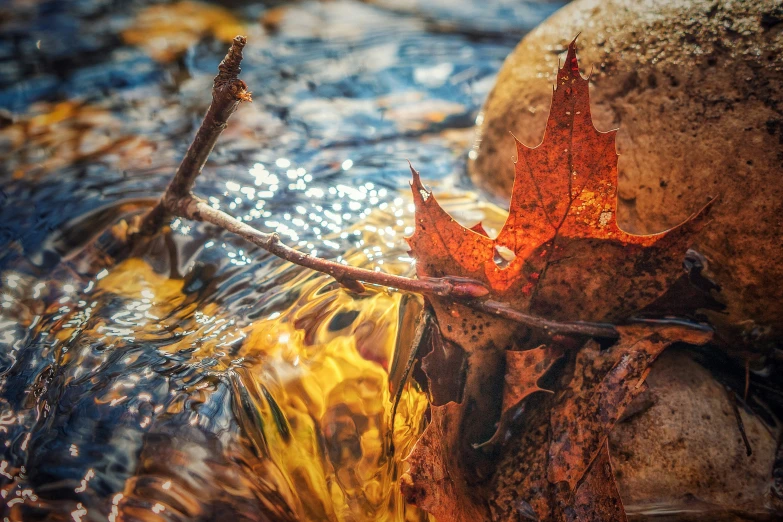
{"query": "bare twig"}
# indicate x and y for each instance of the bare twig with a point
(747, 379)
(227, 92)
(197, 209)
(588, 329)
(465, 291)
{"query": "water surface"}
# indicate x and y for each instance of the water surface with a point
(206, 379)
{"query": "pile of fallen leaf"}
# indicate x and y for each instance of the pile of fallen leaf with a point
(560, 255)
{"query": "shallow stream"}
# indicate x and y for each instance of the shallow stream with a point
(207, 380)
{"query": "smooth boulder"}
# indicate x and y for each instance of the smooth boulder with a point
(696, 88)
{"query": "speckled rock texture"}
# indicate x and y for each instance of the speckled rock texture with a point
(679, 454)
(686, 449)
(696, 88)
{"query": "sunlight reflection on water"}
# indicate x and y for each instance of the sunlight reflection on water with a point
(207, 379)
(300, 391)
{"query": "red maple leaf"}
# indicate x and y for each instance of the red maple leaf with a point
(560, 255)
(570, 260)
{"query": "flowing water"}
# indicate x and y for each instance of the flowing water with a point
(205, 379)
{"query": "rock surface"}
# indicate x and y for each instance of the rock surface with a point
(696, 88)
(685, 451)
(679, 453)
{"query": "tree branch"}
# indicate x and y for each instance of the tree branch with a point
(192, 207)
(461, 290)
(227, 92)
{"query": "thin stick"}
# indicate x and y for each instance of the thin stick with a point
(463, 291)
(740, 424)
(588, 329)
(199, 210)
(227, 92)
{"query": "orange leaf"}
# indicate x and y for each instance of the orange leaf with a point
(436, 481)
(558, 468)
(604, 383)
(523, 370)
(561, 228)
(560, 255)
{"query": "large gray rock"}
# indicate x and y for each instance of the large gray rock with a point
(696, 88)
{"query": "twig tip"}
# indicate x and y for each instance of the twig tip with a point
(229, 68)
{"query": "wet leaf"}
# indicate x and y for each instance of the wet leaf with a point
(523, 371)
(597, 497)
(560, 255)
(561, 227)
(561, 466)
(436, 480)
(604, 384)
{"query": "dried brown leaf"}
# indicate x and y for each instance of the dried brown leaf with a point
(596, 498)
(560, 255)
(604, 383)
(436, 480)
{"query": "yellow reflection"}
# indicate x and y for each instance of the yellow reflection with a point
(332, 386)
(318, 382)
(309, 382)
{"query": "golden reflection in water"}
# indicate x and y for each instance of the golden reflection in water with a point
(309, 384)
(321, 393)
